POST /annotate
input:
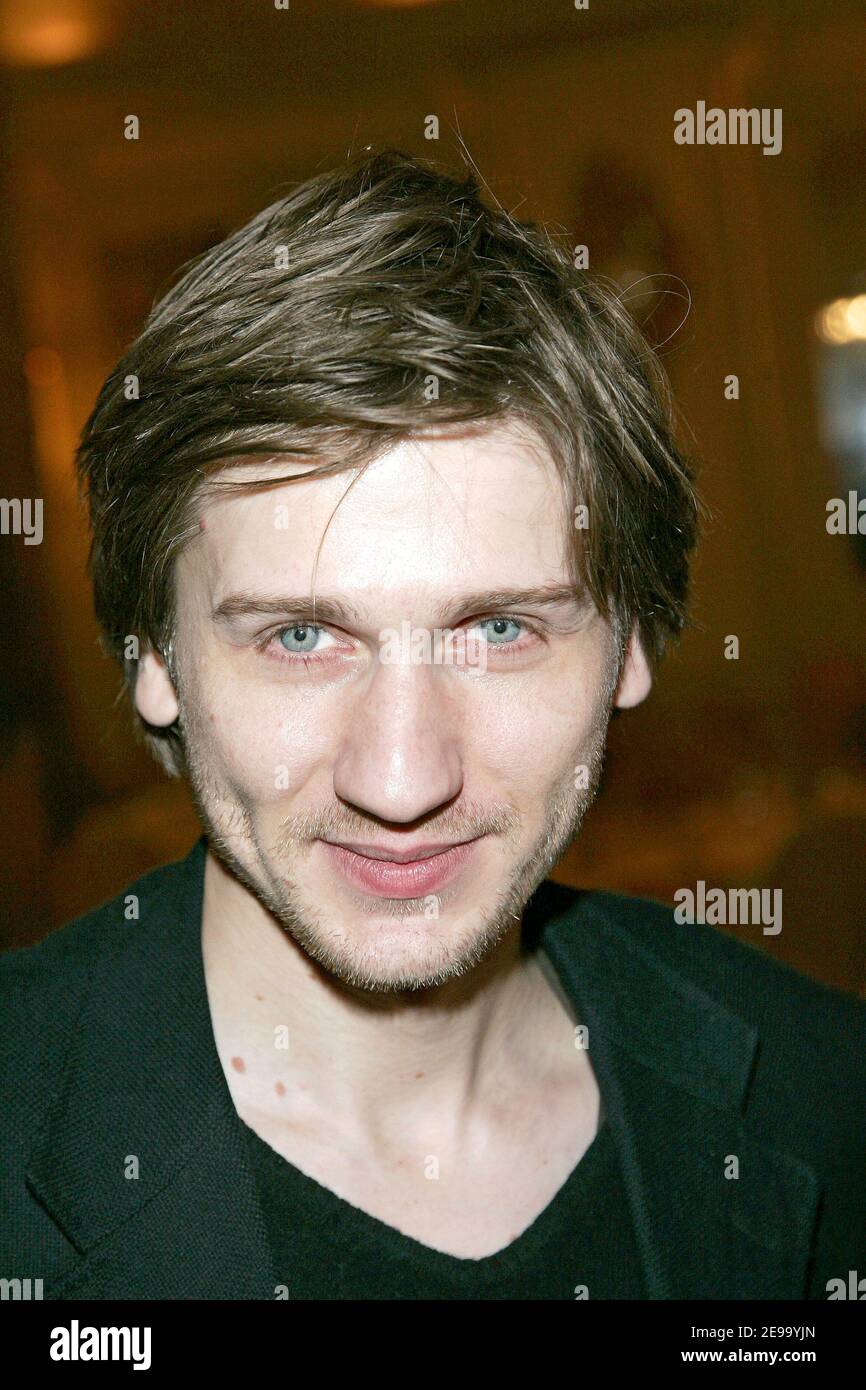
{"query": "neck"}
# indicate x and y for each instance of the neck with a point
(297, 1044)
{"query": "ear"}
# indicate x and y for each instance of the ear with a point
(155, 698)
(635, 680)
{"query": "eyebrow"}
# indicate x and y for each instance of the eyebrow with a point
(341, 610)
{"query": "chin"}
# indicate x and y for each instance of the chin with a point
(394, 947)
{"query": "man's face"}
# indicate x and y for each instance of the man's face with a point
(333, 775)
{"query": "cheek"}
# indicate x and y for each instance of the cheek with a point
(260, 740)
(530, 738)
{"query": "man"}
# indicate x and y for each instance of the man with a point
(388, 520)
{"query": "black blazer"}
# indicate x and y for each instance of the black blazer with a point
(708, 1048)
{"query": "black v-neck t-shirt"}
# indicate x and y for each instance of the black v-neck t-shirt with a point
(325, 1248)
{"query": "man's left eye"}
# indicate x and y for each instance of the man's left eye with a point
(501, 631)
(301, 639)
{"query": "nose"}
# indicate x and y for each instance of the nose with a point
(399, 758)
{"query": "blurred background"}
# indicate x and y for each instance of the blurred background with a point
(747, 772)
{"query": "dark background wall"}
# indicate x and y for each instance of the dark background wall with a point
(741, 773)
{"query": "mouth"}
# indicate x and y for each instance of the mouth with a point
(394, 856)
(407, 873)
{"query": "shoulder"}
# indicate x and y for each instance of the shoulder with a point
(809, 1077)
(43, 987)
(737, 973)
(74, 947)
(811, 1038)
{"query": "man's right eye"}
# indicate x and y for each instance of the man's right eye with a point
(300, 639)
(301, 644)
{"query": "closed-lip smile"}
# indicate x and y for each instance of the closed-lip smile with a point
(408, 872)
(396, 856)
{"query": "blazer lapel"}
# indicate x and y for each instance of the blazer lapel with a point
(143, 1162)
(674, 1067)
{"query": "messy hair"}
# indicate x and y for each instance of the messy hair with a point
(373, 303)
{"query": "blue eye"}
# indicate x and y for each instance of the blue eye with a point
(498, 630)
(300, 639)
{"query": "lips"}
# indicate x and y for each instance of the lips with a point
(395, 856)
(413, 873)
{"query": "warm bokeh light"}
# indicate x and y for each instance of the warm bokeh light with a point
(48, 33)
(842, 321)
(42, 366)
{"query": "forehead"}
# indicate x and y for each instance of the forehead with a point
(452, 506)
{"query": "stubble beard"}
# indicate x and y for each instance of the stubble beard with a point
(228, 823)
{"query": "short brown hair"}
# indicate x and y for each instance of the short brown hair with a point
(315, 332)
